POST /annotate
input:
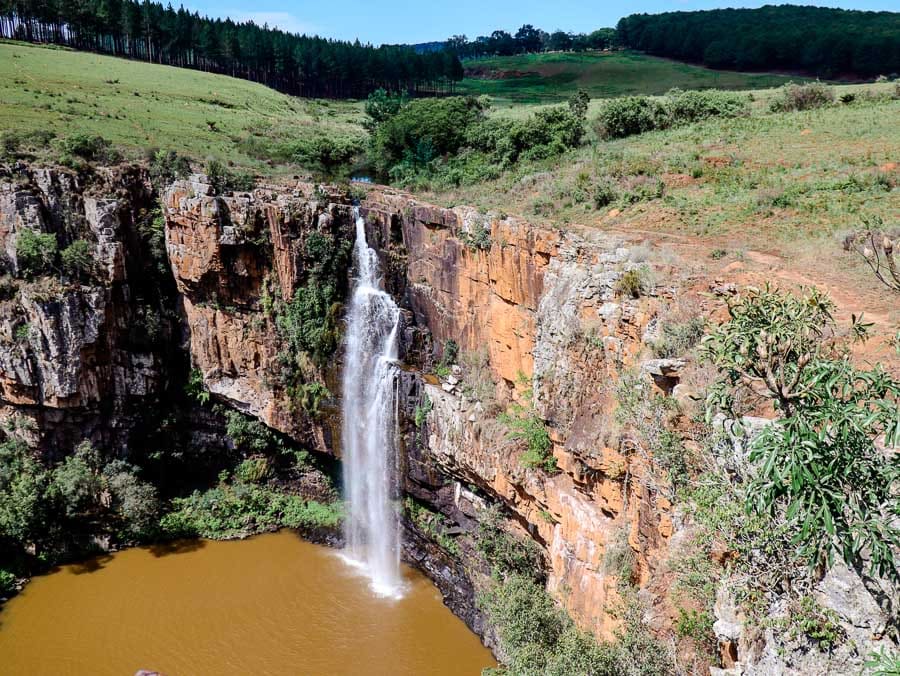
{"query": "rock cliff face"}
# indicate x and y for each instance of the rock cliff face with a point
(540, 321)
(82, 358)
(527, 303)
(536, 306)
(230, 256)
(498, 313)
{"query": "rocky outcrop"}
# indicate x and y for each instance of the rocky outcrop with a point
(536, 314)
(233, 258)
(529, 303)
(540, 306)
(81, 357)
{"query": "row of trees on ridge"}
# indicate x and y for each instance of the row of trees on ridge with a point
(819, 40)
(295, 64)
(529, 40)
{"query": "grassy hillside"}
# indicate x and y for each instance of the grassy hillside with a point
(138, 105)
(763, 180)
(544, 78)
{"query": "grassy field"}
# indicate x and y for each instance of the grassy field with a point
(546, 78)
(137, 105)
(765, 179)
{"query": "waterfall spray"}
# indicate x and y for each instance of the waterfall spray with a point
(370, 423)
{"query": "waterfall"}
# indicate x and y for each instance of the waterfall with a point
(370, 423)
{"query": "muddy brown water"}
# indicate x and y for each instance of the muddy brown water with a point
(273, 604)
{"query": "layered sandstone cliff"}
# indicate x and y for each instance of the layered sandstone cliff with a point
(536, 305)
(538, 316)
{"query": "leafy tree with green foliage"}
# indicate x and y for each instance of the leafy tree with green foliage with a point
(196, 389)
(24, 483)
(504, 553)
(35, 252)
(819, 466)
(77, 480)
(525, 424)
(251, 436)
(381, 105)
(78, 259)
(223, 180)
(88, 147)
(423, 129)
(135, 503)
(167, 166)
(536, 635)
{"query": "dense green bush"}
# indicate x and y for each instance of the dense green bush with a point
(433, 524)
(167, 166)
(638, 114)
(546, 133)
(422, 130)
(25, 511)
(78, 259)
(802, 97)
(635, 282)
(309, 321)
(536, 635)
(381, 106)
(678, 338)
(252, 470)
(504, 553)
(451, 141)
(328, 153)
(250, 436)
(133, 502)
(43, 506)
(89, 147)
(223, 180)
(628, 116)
(7, 582)
(605, 193)
(539, 639)
(238, 509)
(13, 143)
(311, 515)
(684, 107)
(35, 252)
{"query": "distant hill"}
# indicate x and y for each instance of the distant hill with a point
(428, 47)
(820, 41)
(552, 77)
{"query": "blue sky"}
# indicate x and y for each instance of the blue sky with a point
(393, 21)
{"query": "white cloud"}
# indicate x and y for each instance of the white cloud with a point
(283, 20)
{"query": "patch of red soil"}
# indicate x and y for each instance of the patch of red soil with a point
(678, 180)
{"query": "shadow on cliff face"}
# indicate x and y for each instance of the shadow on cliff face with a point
(176, 547)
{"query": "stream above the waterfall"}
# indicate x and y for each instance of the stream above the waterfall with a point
(273, 604)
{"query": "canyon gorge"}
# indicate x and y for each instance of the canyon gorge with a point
(489, 324)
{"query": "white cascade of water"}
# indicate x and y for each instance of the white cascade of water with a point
(370, 424)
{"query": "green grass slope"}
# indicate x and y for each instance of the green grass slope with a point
(137, 105)
(545, 78)
(765, 179)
